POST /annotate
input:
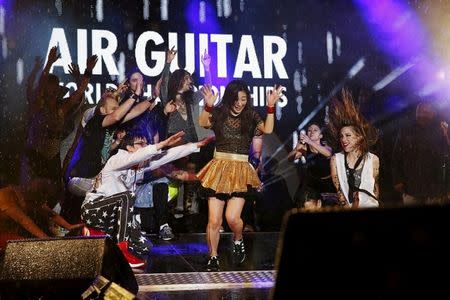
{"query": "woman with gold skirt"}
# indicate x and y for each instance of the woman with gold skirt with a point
(229, 176)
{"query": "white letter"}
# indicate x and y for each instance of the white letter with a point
(221, 40)
(247, 47)
(88, 94)
(202, 46)
(105, 53)
(58, 38)
(275, 58)
(82, 48)
(189, 51)
(159, 56)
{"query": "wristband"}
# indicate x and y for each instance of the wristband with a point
(209, 108)
(270, 109)
(87, 73)
(135, 97)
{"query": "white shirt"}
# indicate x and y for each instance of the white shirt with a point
(118, 174)
(367, 180)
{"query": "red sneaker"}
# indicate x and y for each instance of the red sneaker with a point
(134, 261)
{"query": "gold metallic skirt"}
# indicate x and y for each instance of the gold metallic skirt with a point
(228, 173)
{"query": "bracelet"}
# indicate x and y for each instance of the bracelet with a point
(208, 108)
(135, 97)
(87, 73)
(270, 109)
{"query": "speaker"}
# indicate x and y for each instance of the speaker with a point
(62, 268)
(383, 253)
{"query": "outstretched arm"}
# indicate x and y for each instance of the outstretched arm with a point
(142, 154)
(26, 222)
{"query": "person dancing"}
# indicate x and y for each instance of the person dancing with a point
(354, 170)
(228, 177)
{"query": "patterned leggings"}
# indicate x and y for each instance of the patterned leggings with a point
(114, 215)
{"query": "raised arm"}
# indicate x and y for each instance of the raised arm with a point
(75, 99)
(165, 75)
(52, 57)
(324, 150)
(271, 98)
(119, 114)
(38, 62)
(204, 119)
(206, 61)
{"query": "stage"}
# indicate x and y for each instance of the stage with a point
(177, 269)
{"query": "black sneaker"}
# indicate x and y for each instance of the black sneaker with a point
(238, 252)
(213, 264)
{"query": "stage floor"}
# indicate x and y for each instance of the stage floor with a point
(177, 269)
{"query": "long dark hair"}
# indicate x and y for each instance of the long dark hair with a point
(175, 83)
(230, 96)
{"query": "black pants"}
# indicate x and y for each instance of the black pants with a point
(114, 215)
(160, 195)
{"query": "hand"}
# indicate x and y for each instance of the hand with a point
(91, 62)
(139, 87)
(444, 128)
(205, 141)
(157, 88)
(170, 107)
(208, 95)
(273, 96)
(53, 55)
(170, 54)
(74, 70)
(206, 60)
(304, 139)
(179, 175)
(123, 86)
(300, 147)
(173, 140)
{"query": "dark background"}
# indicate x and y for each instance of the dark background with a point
(28, 25)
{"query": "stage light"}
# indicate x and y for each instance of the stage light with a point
(392, 76)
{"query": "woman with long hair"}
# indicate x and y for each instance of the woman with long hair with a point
(229, 176)
(354, 170)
